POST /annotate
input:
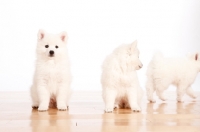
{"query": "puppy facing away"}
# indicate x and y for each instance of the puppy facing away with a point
(180, 72)
(120, 85)
(52, 78)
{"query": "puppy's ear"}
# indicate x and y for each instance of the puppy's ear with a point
(63, 37)
(41, 34)
(133, 46)
(197, 56)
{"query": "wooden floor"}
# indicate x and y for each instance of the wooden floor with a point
(86, 114)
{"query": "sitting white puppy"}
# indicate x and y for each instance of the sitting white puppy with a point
(180, 72)
(119, 79)
(52, 76)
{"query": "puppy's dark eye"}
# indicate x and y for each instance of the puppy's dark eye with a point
(46, 46)
(56, 46)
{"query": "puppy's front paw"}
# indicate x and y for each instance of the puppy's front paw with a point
(34, 107)
(42, 108)
(152, 101)
(180, 101)
(63, 108)
(194, 96)
(108, 110)
(116, 106)
(136, 108)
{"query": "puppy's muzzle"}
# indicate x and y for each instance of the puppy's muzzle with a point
(141, 65)
(51, 53)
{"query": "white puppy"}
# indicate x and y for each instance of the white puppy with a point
(119, 79)
(52, 76)
(180, 72)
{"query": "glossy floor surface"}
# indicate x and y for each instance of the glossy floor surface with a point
(86, 114)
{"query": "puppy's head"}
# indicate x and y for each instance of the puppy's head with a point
(129, 56)
(196, 59)
(134, 53)
(50, 45)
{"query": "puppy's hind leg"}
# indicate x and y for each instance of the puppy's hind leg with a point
(160, 94)
(181, 90)
(190, 92)
(109, 96)
(161, 85)
(150, 89)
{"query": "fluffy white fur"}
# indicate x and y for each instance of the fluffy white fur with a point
(180, 72)
(119, 79)
(52, 76)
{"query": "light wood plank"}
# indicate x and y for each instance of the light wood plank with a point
(86, 114)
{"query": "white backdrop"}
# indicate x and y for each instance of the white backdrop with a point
(94, 28)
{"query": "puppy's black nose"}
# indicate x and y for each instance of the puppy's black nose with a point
(51, 52)
(141, 66)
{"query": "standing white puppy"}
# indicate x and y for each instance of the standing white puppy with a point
(52, 76)
(180, 72)
(119, 79)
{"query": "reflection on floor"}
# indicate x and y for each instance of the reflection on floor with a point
(86, 114)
